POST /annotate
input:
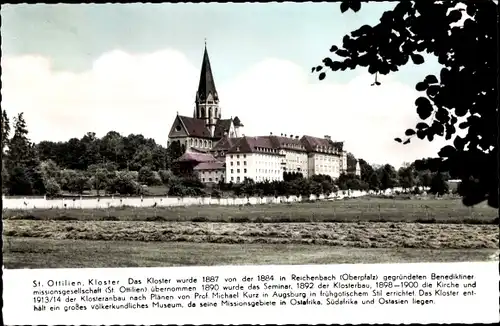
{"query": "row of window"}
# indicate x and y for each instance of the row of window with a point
(268, 171)
(209, 179)
(210, 171)
(238, 163)
(268, 163)
(326, 157)
(238, 179)
(258, 178)
(238, 170)
(238, 156)
(211, 112)
(200, 143)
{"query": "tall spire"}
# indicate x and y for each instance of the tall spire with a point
(207, 84)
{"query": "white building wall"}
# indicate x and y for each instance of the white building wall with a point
(268, 167)
(211, 176)
(232, 131)
(310, 165)
(296, 160)
(238, 131)
(263, 166)
(256, 166)
(107, 202)
(343, 163)
(240, 166)
(325, 163)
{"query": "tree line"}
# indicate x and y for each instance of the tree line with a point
(116, 164)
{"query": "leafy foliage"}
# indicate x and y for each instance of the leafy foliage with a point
(5, 130)
(29, 176)
(52, 188)
(465, 88)
(124, 183)
(21, 162)
(149, 177)
(439, 186)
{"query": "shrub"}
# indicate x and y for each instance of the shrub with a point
(177, 190)
(216, 193)
(52, 188)
(148, 177)
(166, 177)
(124, 184)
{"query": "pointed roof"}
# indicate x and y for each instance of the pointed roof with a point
(195, 156)
(225, 144)
(206, 86)
(313, 143)
(237, 122)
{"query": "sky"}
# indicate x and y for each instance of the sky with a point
(76, 68)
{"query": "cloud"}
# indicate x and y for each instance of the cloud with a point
(122, 92)
(276, 96)
(142, 93)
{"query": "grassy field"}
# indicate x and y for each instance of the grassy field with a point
(353, 210)
(357, 235)
(55, 253)
(347, 231)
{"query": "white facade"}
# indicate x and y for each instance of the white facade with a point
(238, 131)
(211, 176)
(256, 166)
(295, 161)
(324, 163)
(261, 166)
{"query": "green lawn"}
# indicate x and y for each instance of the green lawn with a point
(377, 231)
(54, 253)
(353, 210)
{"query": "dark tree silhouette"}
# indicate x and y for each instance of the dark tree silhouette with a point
(5, 129)
(465, 88)
(439, 186)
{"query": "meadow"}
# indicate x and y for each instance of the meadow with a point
(54, 253)
(348, 210)
(344, 231)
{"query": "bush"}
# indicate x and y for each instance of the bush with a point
(124, 184)
(216, 194)
(177, 190)
(148, 177)
(19, 182)
(166, 177)
(52, 188)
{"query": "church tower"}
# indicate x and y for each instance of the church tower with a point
(207, 99)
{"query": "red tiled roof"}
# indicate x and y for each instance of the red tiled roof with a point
(195, 127)
(288, 143)
(262, 144)
(196, 157)
(198, 128)
(217, 165)
(313, 144)
(221, 127)
(225, 143)
(270, 144)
